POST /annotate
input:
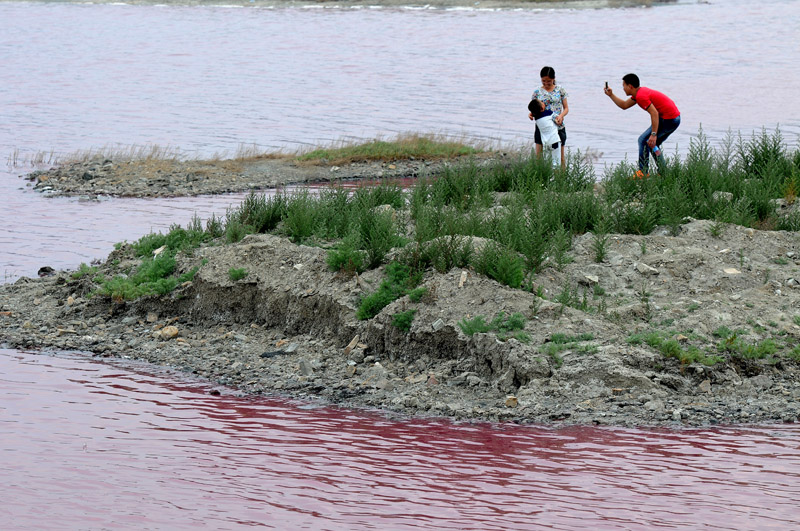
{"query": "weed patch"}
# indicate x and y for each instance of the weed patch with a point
(403, 320)
(505, 326)
(398, 282)
(237, 274)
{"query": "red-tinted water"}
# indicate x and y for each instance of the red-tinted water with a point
(86, 444)
(89, 444)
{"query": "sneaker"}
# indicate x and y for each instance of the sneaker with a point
(640, 175)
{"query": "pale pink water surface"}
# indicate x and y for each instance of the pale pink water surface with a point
(207, 79)
(99, 444)
(90, 444)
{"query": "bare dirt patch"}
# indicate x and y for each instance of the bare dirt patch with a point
(172, 178)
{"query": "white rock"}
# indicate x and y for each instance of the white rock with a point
(645, 269)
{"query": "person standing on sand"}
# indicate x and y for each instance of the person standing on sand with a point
(554, 98)
(664, 118)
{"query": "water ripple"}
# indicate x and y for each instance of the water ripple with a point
(136, 449)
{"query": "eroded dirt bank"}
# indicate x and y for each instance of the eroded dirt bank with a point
(289, 327)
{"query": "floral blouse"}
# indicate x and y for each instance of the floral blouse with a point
(553, 101)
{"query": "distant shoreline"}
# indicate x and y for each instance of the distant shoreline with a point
(418, 4)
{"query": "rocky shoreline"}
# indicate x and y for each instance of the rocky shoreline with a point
(290, 328)
(178, 178)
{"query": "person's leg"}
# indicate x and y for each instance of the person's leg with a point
(644, 150)
(537, 139)
(562, 134)
(665, 129)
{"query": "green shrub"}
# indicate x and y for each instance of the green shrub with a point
(301, 216)
(377, 234)
(235, 231)
(501, 264)
(84, 270)
(564, 338)
(506, 326)
(399, 281)
(335, 212)
(403, 320)
(347, 257)
(553, 350)
(260, 213)
(476, 325)
(237, 274)
(416, 294)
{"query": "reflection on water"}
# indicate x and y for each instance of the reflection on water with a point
(99, 444)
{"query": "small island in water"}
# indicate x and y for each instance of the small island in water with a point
(429, 277)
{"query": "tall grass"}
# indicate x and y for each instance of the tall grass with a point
(527, 211)
(402, 147)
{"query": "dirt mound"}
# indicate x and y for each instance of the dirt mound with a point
(602, 341)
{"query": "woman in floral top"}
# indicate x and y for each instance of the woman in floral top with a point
(554, 98)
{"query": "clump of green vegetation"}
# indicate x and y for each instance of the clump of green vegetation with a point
(530, 228)
(403, 147)
(346, 257)
(156, 273)
(505, 326)
(501, 264)
(398, 282)
(563, 339)
(403, 320)
(83, 271)
(237, 274)
(416, 294)
(671, 348)
(737, 348)
(560, 342)
(553, 350)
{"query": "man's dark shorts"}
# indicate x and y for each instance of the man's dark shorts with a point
(562, 134)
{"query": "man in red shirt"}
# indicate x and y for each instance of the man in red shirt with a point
(664, 117)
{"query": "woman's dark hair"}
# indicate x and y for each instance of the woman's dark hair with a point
(631, 79)
(536, 108)
(548, 71)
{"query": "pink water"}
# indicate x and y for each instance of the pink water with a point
(91, 444)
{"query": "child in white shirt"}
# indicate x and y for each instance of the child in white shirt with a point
(548, 129)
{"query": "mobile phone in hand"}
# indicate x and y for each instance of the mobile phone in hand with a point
(606, 84)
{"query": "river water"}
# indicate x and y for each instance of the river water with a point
(113, 445)
(98, 444)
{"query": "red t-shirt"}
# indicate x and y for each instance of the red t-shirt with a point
(666, 107)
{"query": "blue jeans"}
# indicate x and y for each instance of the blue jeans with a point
(665, 128)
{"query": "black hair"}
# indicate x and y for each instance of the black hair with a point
(631, 79)
(535, 107)
(548, 71)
